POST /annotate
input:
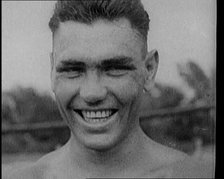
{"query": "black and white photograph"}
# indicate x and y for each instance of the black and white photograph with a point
(108, 89)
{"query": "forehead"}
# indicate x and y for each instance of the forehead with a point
(100, 40)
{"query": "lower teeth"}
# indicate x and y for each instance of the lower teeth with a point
(96, 120)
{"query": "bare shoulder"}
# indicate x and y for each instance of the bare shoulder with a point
(176, 164)
(23, 171)
(193, 168)
(165, 155)
(29, 170)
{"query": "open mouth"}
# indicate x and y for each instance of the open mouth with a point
(96, 116)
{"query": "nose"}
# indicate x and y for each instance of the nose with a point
(92, 90)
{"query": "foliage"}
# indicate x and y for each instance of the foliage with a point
(30, 106)
(203, 86)
(25, 105)
(185, 127)
(162, 96)
(199, 124)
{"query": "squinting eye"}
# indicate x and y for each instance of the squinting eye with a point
(72, 75)
(116, 73)
(72, 72)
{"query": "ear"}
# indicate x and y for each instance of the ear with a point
(52, 70)
(151, 65)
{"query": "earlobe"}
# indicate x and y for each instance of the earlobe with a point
(151, 65)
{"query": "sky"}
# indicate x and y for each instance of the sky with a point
(179, 29)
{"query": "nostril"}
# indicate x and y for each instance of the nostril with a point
(93, 102)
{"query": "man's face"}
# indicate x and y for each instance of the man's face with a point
(97, 78)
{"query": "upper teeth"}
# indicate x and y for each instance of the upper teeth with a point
(97, 114)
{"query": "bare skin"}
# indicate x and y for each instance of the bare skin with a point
(158, 162)
(85, 77)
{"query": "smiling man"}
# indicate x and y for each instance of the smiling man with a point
(100, 68)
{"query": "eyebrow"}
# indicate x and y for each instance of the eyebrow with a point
(118, 61)
(69, 63)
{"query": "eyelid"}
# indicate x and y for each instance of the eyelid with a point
(71, 74)
(118, 67)
(118, 71)
(116, 74)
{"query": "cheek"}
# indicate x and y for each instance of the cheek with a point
(127, 89)
(64, 90)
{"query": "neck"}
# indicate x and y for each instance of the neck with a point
(125, 156)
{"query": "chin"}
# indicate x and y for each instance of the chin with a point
(101, 142)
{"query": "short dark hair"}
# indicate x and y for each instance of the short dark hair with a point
(88, 11)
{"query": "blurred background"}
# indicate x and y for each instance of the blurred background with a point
(179, 112)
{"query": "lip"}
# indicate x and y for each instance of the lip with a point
(97, 127)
